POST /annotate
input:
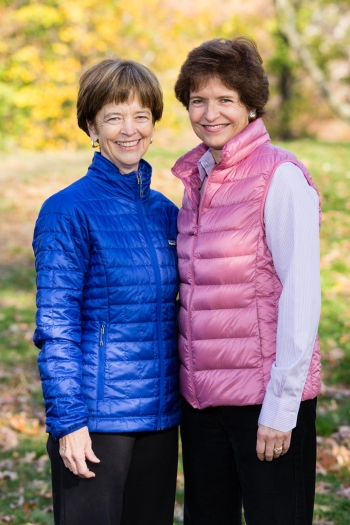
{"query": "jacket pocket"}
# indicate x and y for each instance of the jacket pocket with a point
(101, 362)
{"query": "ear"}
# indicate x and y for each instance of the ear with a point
(92, 130)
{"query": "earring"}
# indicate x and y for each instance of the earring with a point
(151, 140)
(252, 114)
(95, 143)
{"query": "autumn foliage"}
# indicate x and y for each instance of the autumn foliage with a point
(47, 44)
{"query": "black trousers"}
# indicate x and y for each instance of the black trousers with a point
(134, 485)
(223, 473)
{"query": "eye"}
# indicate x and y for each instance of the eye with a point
(142, 118)
(196, 102)
(113, 119)
(226, 100)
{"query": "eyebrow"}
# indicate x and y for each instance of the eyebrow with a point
(221, 96)
(116, 113)
(112, 113)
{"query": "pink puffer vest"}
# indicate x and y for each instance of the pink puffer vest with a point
(229, 288)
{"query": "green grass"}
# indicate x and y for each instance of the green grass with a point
(26, 180)
(28, 496)
(331, 415)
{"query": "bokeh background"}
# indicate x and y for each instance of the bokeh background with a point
(45, 46)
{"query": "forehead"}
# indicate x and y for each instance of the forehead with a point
(132, 105)
(213, 87)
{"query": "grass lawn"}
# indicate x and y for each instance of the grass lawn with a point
(26, 179)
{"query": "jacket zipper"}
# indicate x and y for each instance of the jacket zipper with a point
(139, 182)
(139, 196)
(101, 363)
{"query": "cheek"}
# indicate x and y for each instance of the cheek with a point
(194, 115)
(148, 133)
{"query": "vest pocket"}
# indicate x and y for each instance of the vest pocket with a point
(101, 361)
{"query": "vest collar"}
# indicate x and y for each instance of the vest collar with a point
(233, 152)
(106, 174)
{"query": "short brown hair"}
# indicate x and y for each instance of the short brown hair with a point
(236, 63)
(114, 80)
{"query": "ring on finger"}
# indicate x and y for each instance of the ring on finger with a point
(278, 450)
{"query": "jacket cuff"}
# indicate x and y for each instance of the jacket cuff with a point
(59, 430)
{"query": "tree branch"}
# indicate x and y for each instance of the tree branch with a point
(287, 20)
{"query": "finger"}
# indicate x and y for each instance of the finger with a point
(269, 452)
(90, 455)
(76, 464)
(87, 474)
(277, 451)
(260, 448)
(68, 461)
(69, 465)
(286, 446)
(82, 470)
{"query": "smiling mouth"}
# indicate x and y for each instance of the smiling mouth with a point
(217, 127)
(129, 144)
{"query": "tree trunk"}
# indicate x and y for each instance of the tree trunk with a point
(288, 26)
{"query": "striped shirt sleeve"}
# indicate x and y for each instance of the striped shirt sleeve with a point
(292, 232)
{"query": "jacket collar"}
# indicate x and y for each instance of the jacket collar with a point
(233, 152)
(106, 174)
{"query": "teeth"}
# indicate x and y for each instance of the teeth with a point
(218, 126)
(128, 144)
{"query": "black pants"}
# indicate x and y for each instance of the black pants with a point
(223, 473)
(134, 485)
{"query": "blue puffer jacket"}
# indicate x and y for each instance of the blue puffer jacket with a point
(106, 321)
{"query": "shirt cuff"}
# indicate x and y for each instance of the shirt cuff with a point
(279, 413)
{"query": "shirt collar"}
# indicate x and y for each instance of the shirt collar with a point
(205, 164)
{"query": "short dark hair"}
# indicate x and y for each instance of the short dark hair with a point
(115, 80)
(236, 63)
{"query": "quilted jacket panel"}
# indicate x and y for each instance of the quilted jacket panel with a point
(106, 321)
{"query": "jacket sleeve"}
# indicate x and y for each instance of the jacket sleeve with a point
(61, 251)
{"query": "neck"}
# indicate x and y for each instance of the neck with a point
(216, 154)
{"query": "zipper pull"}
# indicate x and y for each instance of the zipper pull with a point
(102, 331)
(139, 181)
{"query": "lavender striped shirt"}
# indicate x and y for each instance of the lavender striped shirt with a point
(292, 235)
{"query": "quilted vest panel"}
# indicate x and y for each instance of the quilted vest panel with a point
(229, 288)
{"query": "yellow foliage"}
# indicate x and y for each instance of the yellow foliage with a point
(37, 13)
(50, 46)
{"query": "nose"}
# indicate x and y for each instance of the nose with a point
(128, 127)
(212, 111)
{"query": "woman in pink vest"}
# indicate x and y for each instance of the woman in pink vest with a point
(248, 250)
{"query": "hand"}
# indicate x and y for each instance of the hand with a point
(269, 439)
(75, 449)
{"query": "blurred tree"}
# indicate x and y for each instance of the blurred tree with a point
(283, 67)
(45, 45)
(318, 31)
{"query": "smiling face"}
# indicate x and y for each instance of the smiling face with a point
(124, 132)
(217, 115)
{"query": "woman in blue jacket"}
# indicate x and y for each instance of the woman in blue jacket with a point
(107, 282)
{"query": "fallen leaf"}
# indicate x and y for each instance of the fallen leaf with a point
(29, 457)
(24, 425)
(179, 511)
(344, 492)
(323, 488)
(8, 439)
(8, 474)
